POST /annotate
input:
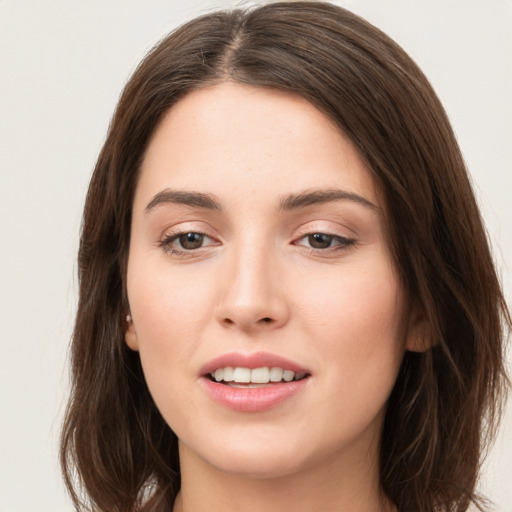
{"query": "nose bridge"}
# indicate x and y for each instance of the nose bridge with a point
(252, 294)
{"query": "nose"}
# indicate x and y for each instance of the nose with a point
(253, 298)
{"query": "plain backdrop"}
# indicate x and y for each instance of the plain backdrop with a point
(63, 64)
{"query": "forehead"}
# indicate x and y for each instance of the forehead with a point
(232, 138)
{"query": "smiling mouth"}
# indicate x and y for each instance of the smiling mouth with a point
(240, 377)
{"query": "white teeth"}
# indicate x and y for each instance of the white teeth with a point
(229, 374)
(288, 375)
(276, 375)
(262, 375)
(242, 375)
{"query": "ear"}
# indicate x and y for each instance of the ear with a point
(419, 333)
(130, 336)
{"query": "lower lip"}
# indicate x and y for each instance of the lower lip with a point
(253, 399)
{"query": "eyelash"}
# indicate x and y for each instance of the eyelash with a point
(341, 243)
(166, 242)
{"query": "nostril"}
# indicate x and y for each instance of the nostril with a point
(248, 323)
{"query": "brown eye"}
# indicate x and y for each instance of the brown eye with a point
(187, 242)
(190, 241)
(325, 242)
(320, 240)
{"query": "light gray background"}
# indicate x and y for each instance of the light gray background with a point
(62, 66)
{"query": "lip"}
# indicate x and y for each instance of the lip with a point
(252, 361)
(252, 399)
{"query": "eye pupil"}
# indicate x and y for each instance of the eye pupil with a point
(191, 240)
(320, 240)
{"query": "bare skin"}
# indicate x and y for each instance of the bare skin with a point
(257, 229)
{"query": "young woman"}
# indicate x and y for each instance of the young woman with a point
(287, 297)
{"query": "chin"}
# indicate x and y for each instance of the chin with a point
(260, 467)
(255, 457)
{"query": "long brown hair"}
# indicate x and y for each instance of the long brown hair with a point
(446, 402)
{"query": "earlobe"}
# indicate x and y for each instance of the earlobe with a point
(130, 336)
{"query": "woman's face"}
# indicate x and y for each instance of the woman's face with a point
(258, 251)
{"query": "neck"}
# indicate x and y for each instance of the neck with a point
(337, 484)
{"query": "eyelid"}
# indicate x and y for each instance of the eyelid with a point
(175, 236)
(327, 227)
(343, 241)
(172, 233)
(187, 226)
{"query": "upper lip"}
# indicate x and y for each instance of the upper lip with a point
(251, 361)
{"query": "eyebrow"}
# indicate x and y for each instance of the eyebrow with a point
(197, 199)
(287, 203)
(313, 197)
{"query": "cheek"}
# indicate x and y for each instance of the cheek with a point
(166, 303)
(167, 324)
(358, 344)
(356, 300)
(356, 320)
(169, 314)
